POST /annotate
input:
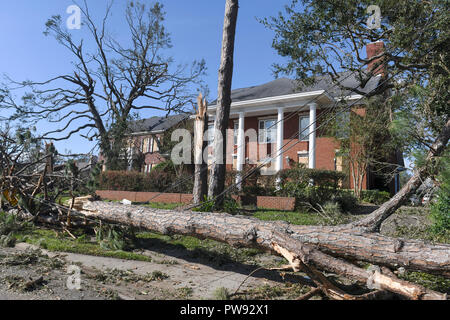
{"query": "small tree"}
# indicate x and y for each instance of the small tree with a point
(366, 143)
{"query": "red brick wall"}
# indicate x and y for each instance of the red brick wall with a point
(276, 203)
(145, 196)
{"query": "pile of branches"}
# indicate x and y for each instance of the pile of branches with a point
(34, 177)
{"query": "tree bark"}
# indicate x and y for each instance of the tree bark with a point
(200, 189)
(217, 175)
(316, 247)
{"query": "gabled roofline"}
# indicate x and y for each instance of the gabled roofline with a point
(141, 133)
(282, 98)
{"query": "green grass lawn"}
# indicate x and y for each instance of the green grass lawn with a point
(166, 206)
(300, 218)
(57, 241)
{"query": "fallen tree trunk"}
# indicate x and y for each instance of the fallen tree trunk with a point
(298, 244)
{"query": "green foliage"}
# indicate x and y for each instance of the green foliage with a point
(161, 179)
(230, 206)
(440, 209)
(115, 238)
(430, 281)
(296, 182)
(10, 225)
(93, 183)
(54, 241)
(221, 293)
(375, 196)
(208, 205)
(322, 38)
(302, 176)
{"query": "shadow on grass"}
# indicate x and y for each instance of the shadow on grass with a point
(224, 261)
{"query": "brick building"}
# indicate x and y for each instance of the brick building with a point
(280, 113)
(145, 138)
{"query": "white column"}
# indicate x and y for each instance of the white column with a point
(279, 150)
(240, 148)
(312, 135)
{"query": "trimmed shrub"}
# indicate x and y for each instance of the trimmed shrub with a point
(249, 182)
(155, 181)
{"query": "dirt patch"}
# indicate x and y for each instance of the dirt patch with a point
(29, 273)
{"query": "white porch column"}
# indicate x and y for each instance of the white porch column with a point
(312, 136)
(240, 148)
(279, 149)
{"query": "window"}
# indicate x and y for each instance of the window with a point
(303, 158)
(342, 124)
(156, 144)
(267, 131)
(145, 145)
(303, 128)
(235, 132)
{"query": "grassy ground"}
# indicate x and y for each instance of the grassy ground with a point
(59, 241)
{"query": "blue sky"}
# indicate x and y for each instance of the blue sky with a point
(195, 26)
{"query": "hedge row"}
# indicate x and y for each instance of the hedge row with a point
(155, 181)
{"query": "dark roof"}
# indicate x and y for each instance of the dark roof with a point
(285, 86)
(157, 124)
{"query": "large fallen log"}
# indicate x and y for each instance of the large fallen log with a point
(317, 247)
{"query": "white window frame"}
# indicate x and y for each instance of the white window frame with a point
(264, 134)
(303, 136)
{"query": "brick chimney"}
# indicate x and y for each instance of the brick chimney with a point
(374, 49)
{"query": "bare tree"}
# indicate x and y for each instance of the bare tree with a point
(110, 83)
(217, 177)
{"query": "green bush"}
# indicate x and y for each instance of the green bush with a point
(10, 225)
(158, 180)
(250, 181)
(440, 209)
(230, 206)
(324, 178)
(296, 182)
(375, 196)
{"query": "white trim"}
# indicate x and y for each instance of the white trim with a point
(281, 98)
(141, 133)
